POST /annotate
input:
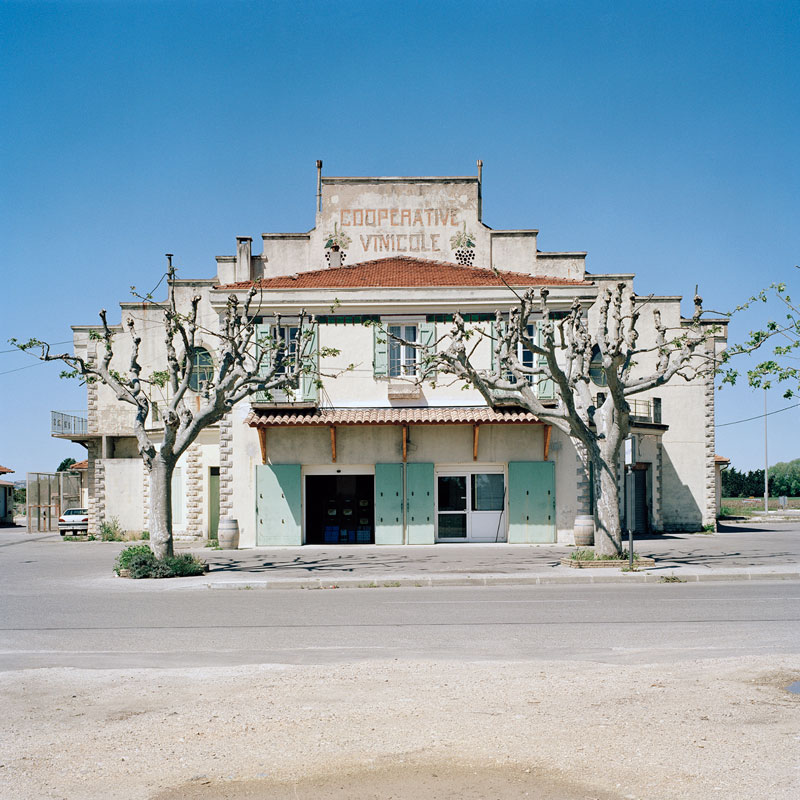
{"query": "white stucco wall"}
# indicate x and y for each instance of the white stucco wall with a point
(124, 491)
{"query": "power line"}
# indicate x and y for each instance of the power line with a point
(17, 350)
(759, 416)
(19, 368)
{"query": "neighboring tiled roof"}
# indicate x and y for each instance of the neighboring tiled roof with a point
(81, 464)
(721, 460)
(402, 271)
(6, 483)
(387, 416)
(5, 469)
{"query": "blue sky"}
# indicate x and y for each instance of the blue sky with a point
(660, 137)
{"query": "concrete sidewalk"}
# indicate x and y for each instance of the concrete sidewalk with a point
(742, 552)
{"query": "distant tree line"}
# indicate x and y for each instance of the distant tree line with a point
(784, 479)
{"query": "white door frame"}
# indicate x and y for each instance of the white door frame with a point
(468, 470)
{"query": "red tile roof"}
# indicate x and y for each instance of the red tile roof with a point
(5, 469)
(402, 271)
(6, 483)
(81, 464)
(468, 415)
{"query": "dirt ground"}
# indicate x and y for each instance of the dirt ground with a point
(438, 730)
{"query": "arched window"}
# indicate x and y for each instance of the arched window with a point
(202, 368)
(596, 371)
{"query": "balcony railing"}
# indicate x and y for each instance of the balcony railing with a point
(641, 410)
(63, 424)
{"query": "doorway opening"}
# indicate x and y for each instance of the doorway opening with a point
(470, 506)
(340, 509)
(213, 502)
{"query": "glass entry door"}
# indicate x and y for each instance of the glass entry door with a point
(470, 507)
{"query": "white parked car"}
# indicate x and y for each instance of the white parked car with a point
(74, 520)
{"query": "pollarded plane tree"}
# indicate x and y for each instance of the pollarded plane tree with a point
(564, 350)
(246, 361)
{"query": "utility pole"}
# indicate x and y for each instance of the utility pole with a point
(766, 460)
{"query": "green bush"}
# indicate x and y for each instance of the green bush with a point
(142, 563)
(111, 530)
(145, 536)
(124, 558)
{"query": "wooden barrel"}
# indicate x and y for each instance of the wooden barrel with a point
(584, 530)
(228, 533)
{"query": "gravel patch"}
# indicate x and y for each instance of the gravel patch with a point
(562, 730)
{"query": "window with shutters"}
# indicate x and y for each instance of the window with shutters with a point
(288, 334)
(402, 357)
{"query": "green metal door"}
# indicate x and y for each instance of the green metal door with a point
(531, 501)
(420, 503)
(388, 504)
(213, 502)
(278, 504)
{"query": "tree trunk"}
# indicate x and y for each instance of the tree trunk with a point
(161, 506)
(608, 531)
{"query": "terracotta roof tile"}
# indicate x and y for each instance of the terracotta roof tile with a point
(467, 415)
(81, 464)
(401, 271)
(5, 469)
(6, 483)
(721, 460)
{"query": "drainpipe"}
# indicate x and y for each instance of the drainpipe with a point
(319, 184)
(405, 504)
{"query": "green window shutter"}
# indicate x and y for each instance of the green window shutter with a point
(427, 338)
(278, 504)
(531, 502)
(545, 389)
(309, 390)
(419, 503)
(388, 504)
(380, 352)
(262, 333)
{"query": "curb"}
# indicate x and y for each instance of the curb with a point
(385, 582)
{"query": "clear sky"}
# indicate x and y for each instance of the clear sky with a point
(661, 137)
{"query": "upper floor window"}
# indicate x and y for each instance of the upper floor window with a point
(288, 334)
(402, 357)
(596, 371)
(202, 369)
(526, 357)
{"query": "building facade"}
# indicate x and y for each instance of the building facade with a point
(365, 451)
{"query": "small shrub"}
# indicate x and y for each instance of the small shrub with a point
(124, 558)
(184, 565)
(709, 528)
(142, 563)
(111, 530)
(145, 536)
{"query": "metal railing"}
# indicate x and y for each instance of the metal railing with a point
(641, 410)
(67, 424)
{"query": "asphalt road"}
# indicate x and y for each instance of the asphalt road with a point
(610, 623)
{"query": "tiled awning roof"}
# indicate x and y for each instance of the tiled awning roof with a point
(5, 469)
(81, 464)
(268, 418)
(403, 271)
